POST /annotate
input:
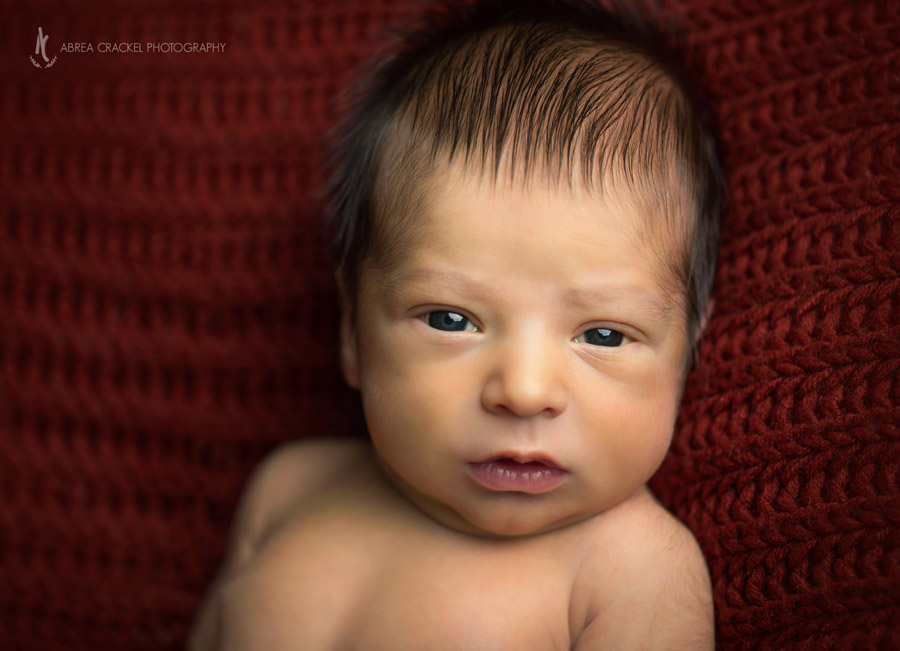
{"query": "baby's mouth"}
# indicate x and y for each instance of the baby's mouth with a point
(524, 474)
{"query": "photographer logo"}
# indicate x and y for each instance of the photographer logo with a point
(119, 47)
(40, 49)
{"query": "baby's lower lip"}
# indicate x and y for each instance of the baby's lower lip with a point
(505, 474)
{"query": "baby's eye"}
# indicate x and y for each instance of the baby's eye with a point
(449, 321)
(602, 337)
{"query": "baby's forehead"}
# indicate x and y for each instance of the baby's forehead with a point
(660, 247)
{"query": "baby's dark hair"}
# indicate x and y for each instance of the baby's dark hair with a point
(561, 89)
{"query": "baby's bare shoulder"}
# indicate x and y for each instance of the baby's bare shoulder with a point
(290, 473)
(648, 581)
(285, 476)
(302, 465)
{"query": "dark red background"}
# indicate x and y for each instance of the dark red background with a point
(167, 316)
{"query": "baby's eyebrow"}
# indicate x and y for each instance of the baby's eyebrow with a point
(399, 281)
(655, 304)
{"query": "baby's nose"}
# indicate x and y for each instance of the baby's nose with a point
(526, 378)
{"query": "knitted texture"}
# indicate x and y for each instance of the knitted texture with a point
(167, 313)
(786, 459)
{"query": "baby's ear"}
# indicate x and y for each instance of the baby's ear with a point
(704, 321)
(349, 346)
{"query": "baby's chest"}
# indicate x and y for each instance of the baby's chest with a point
(339, 587)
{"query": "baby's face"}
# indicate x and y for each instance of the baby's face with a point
(520, 367)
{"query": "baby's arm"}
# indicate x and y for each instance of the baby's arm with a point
(247, 529)
(664, 598)
(283, 477)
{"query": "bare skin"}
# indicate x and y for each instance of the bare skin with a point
(328, 555)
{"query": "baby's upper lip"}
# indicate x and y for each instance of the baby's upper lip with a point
(526, 457)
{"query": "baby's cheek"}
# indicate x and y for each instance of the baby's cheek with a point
(646, 426)
(398, 411)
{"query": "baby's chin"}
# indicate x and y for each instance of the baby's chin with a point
(517, 527)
